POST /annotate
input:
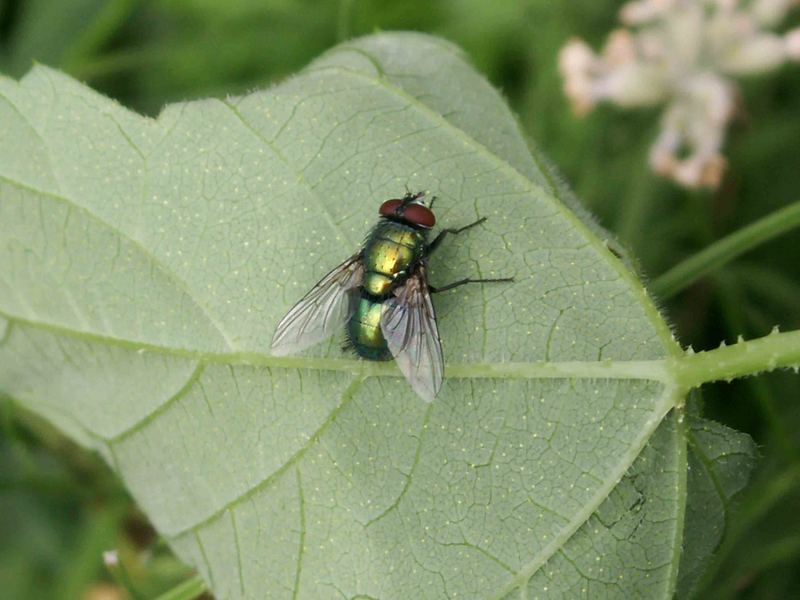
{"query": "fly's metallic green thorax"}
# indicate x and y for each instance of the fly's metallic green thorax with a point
(389, 253)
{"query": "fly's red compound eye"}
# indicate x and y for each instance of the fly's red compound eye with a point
(389, 208)
(419, 215)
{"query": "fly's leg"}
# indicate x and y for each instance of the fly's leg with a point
(465, 281)
(438, 239)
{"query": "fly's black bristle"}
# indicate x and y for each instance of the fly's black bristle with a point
(347, 345)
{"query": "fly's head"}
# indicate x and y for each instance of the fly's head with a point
(409, 209)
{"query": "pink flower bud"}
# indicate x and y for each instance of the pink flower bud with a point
(761, 52)
(792, 41)
(683, 53)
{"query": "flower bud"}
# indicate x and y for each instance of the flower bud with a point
(682, 52)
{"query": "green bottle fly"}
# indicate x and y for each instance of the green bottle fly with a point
(382, 297)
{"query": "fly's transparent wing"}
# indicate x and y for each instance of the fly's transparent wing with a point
(323, 310)
(409, 327)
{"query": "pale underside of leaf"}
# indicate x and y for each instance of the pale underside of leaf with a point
(148, 262)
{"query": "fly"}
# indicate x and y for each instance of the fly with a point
(381, 296)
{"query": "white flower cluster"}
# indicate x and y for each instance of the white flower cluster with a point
(683, 53)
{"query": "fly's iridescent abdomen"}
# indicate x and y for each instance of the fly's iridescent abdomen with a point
(390, 252)
(364, 333)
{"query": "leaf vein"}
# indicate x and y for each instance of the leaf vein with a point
(169, 273)
(302, 542)
(161, 408)
(407, 484)
(299, 176)
(238, 551)
(670, 396)
(650, 370)
(273, 477)
(679, 435)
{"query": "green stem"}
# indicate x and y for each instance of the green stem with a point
(115, 63)
(343, 20)
(186, 590)
(732, 303)
(722, 251)
(637, 205)
(774, 351)
(107, 22)
(120, 574)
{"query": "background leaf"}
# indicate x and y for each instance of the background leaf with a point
(147, 262)
(720, 461)
(57, 33)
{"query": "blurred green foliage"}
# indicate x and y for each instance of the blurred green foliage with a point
(59, 508)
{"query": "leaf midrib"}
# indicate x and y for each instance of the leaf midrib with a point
(658, 369)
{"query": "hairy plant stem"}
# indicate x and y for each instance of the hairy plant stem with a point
(774, 351)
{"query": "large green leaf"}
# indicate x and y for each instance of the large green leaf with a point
(145, 264)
